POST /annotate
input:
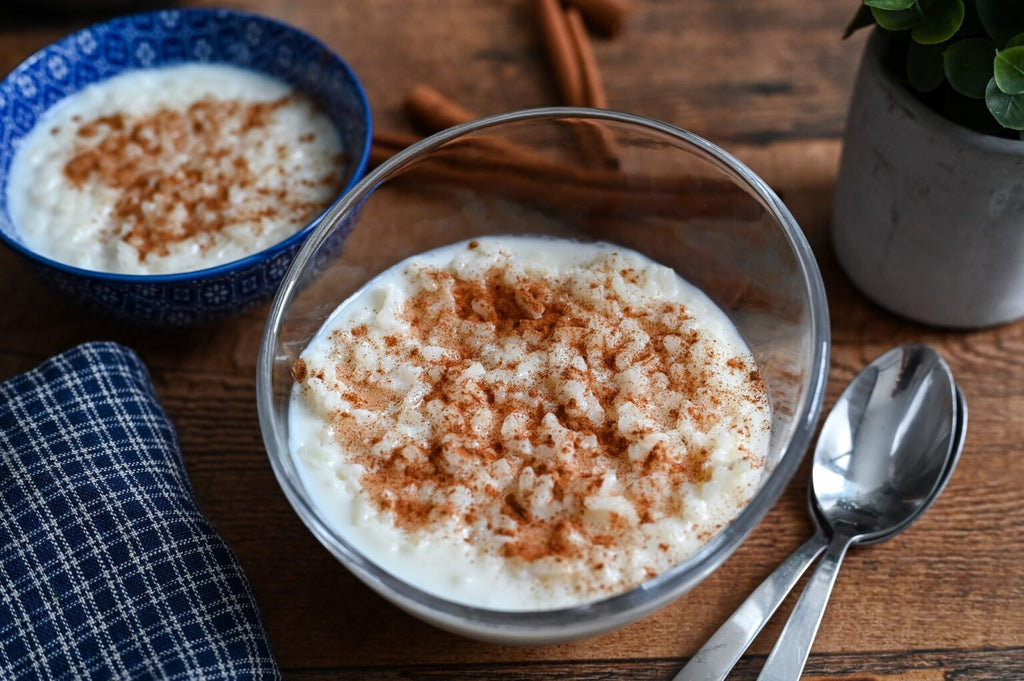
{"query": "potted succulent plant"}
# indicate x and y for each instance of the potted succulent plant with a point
(928, 218)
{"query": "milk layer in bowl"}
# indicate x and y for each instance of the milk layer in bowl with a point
(173, 169)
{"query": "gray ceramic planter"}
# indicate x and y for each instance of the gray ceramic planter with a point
(928, 219)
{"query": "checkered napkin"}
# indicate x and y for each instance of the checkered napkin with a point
(107, 568)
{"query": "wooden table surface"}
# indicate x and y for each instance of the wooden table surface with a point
(769, 80)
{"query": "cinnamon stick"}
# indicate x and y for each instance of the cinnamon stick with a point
(495, 165)
(387, 143)
(595, 140)
(394, 138)
(430, 111)
(593, 88)
(486, 158)
(379, 154)
(559, 46)
(607, 17)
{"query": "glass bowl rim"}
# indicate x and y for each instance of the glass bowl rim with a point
(650, 594)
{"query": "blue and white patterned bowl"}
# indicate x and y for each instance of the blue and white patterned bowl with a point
(166, 38)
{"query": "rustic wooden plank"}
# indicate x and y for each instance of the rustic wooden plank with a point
(929, 665)
(769, 81)
(924, 675)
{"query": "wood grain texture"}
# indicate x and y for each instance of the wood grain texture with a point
(769, 80)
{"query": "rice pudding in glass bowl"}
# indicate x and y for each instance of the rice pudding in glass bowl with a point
(164, 168)
(538, 375)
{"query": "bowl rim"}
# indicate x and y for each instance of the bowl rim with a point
(638, 600)
(233, 266)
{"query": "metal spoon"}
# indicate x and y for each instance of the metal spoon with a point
(903, 417)
(716, 658)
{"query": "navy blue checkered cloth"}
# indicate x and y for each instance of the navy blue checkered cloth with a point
(107, 568)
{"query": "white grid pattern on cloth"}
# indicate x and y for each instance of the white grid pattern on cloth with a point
(108, 570)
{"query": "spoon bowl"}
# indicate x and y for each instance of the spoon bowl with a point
(959, 432)
(884, 445)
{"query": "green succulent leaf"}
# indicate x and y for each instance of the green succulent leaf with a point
(861, 19)
(925, 68)
(895, 19)
(1009, 70)
(890, 4)
(968, 66)
(1002, 19)
(1006, 108)
(939, 23)
(1015, 41)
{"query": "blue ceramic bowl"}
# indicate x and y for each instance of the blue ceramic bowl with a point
(162, 38)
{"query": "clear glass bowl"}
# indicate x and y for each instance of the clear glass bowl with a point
(587, 175)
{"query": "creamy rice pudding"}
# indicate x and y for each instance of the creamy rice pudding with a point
(173, 169)
(522, 423)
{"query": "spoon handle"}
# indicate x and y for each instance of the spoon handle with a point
(716, 658)
(787, 659)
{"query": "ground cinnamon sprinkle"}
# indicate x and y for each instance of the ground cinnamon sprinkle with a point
(563, 419)
(183, 174)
